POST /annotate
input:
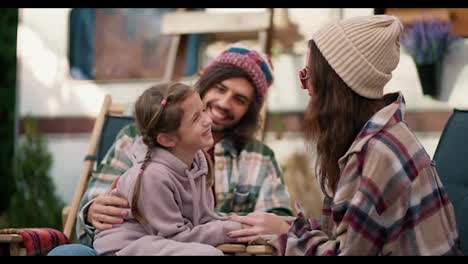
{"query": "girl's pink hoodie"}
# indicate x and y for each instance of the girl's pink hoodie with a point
(175, 201)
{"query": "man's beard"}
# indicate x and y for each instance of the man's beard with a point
(219, 127)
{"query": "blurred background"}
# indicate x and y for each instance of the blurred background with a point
(58, 64)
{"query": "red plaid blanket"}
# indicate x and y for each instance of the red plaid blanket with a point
(37, 241)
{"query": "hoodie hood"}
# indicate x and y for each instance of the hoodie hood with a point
(160, 155)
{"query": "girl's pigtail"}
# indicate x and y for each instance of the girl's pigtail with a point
(136, 193)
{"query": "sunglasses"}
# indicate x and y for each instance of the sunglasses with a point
(304, 76)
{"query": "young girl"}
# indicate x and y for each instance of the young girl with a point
(168, 187)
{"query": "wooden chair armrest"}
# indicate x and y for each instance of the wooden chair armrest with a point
(259, 249)
(15, 241)
(232, 248)
(11, 238)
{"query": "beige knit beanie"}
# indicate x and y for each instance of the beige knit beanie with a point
(363, 51)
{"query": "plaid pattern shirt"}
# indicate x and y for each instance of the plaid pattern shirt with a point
(389, 199)
(245, 181)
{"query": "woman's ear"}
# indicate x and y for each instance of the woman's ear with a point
(166, 140)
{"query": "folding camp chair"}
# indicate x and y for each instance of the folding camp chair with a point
(107, 125)
(451, 163)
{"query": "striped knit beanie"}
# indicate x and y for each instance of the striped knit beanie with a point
(363, 51)
(257, 66)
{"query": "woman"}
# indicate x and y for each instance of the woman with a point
(382, 192)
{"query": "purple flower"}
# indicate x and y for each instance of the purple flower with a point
(427, 40)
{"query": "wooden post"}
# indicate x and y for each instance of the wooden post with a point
(270, 33)
(172, 58)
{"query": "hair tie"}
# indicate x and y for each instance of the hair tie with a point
(164, 102)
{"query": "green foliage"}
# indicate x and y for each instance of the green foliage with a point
(8, 29)
(34, 203)
(278, 125)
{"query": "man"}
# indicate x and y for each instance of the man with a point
(247, 176)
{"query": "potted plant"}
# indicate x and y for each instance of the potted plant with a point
(427, 42)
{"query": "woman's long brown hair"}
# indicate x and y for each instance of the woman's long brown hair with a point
(153, 118)
(333, 118)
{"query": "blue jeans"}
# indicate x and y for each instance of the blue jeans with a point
(72, 250)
